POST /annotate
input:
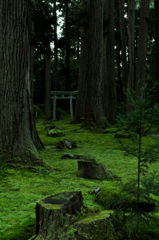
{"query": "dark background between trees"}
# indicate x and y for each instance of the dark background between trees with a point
(128, 48)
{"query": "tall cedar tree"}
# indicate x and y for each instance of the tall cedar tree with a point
(80, 102)
(109, 93)
(94, 114)
(18, 135)
(142, 43)
(67, 48)
(55, 76)
(47, 57)
(123, 45)
(156, 68)
(131, 47)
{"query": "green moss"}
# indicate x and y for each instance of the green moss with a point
(95, 216)
(18, 207)
(95, 227)
(107, 192)
(110, 130)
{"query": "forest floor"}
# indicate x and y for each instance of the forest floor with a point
(21, 189)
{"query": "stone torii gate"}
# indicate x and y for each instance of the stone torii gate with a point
(62, 95)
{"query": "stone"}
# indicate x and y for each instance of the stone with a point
(111, 130)
(71, 156)
(122, 134)
(96, 191)
(66, 144)
(51, 127)
(55, 133)
(45, 123)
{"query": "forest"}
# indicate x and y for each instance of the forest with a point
(90, 171)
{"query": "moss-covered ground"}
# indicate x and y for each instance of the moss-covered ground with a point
(21, 189)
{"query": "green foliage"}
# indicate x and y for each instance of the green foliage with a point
(33, 237)
(137, 203)
(40, 113)
(43, 24)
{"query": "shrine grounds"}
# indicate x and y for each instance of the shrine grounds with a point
(20, 189)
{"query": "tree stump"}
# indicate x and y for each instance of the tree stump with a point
(55, 213)
(88, 170)
(57, 219)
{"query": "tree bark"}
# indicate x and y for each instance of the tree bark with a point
(47, 58)
(123, 46)
(109, 92)
(80, 101)
(142, 44)
(67, 50)
(131, 47)
(18, 135)
(156, 65)
(55, 77)
(94, 114)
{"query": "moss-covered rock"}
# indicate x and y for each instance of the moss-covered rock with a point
(111, 130)
(107, 193)
(66, 144)
(122, 134)
(55, 133)
(51, 127)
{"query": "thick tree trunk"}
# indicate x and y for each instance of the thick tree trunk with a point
(109, 94)
(48, 116)
(18, 135)
(80, 101)
(67, 50)
(55, 77)
(94, 114)
(131, 47)
(47, 54)
(123, 45)
(156, 65)
(142, 44)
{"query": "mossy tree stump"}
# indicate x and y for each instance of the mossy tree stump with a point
(58, 217)
(55, 213)
(87, 169)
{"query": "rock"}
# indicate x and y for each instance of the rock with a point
(55, 133)
(108, 193)
(89, 170)
(96, 191)
(67, 156)
(45, 123)
(66, 144)
(110, 130)
(51, 127)
(71, 156)
(57, 219)
(69, 144)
